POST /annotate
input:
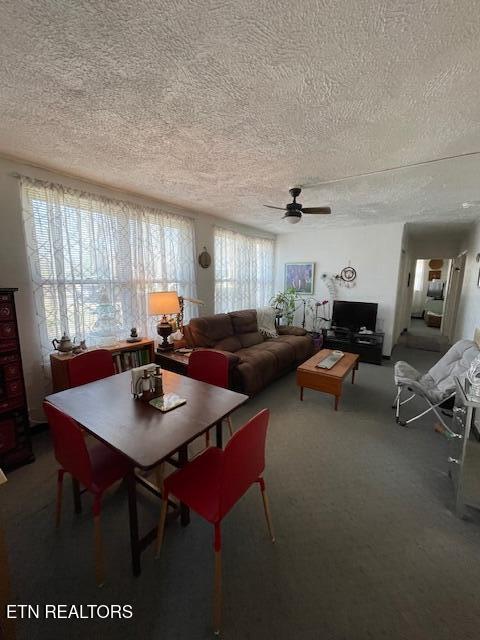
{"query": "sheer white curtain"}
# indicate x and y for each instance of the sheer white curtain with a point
(243, 270)
(93, 261)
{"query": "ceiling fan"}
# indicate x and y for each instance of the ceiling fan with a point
(294, 210)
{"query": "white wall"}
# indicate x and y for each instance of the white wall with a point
(441, 242)
(469, 310)
(14, 268)
(404, 288)
(373, 251)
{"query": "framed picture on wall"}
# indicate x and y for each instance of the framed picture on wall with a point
(299, 276)
(434, 275)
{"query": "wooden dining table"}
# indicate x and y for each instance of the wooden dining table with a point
(108, 411)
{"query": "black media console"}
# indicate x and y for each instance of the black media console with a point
(369, 346)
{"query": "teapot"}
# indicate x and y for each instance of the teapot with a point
(64, 345)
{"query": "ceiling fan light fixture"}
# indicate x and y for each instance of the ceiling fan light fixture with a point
(294, 210)
(293, 219)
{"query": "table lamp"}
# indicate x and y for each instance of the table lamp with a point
(163, 303)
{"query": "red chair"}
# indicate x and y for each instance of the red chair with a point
(97, 468)
(90, 366)
(214, 481)
(213, 367)
(82, 369)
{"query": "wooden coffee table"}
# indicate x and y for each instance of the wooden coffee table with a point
(326, 380)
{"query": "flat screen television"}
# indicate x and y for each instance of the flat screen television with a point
(353, 315)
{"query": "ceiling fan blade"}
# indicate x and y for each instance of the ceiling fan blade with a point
(316, 210)
(270, 207)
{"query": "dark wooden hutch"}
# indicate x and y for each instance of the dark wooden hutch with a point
(15, 445)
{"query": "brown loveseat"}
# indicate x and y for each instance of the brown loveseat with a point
(255, 360)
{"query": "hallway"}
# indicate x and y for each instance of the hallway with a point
(420, 336)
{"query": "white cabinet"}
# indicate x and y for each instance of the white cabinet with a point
(464, 451)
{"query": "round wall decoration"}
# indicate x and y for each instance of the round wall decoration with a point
(348, 274)
(204, 259)
(435, 264)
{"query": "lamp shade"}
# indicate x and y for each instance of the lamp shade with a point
(163, 302)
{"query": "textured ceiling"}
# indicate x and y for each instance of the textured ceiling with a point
(223, 105)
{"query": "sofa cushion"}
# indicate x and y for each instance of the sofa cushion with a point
(290, 330)
(208, 331)
(302, 346)
(244, 321)
(247, 352)
(250, 339)
(256, 369)
(283, 352)
(232, 344)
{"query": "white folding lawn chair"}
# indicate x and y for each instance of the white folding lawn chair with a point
(437, 385)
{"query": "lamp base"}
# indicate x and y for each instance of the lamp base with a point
(162, 349)
(164, 329)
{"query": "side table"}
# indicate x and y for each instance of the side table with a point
(172, 361)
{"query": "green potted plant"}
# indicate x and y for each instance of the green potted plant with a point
(284, 302)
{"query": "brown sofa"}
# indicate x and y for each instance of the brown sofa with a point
(255, 360)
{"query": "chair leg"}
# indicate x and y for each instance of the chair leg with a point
(58, 513)
(266, 508)
(77, 496)
(161, 525)
(397, 404)
(99, 562)
(448, 430)
(230, 425)
(399, 391)
(159, 473)
(217, 593)
(408, 399)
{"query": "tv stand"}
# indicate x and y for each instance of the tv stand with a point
(368, 346)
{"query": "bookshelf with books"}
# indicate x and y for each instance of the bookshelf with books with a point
(126, 355)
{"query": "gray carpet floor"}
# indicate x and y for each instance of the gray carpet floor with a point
(420, 336)
(418, 327)
(367, 544)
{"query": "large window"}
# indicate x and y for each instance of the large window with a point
(93, 261)
(243, 271)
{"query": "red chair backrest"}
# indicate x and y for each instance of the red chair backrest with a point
(243, 460)
(209, 366)
(69, 444)
(90, 366)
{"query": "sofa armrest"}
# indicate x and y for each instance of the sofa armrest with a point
(291, 331)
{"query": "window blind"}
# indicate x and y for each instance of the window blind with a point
(244, 270)
(94, 260)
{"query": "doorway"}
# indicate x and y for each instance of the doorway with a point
(432, 289)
